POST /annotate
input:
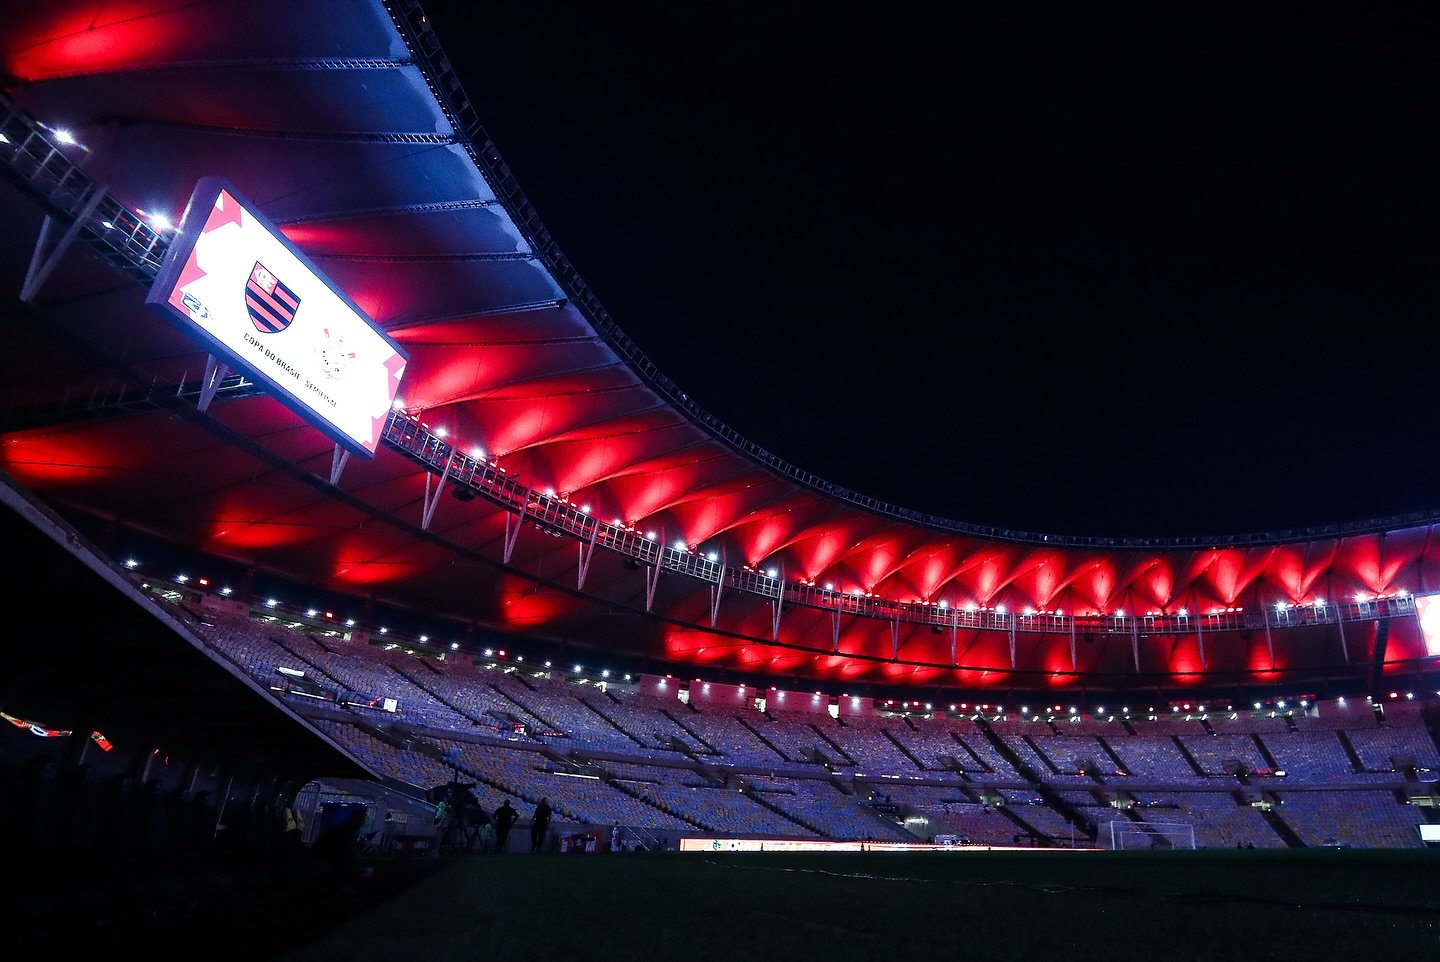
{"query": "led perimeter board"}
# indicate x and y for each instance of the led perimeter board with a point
(233, 282)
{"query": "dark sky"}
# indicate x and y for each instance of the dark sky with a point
(1078, 269)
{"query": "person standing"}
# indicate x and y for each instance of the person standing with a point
(505, 816)
(539, 825)
(294, 828)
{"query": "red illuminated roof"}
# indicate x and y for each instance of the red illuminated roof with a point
(349, 131)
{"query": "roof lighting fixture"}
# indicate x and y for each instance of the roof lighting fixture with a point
(424, 639)
(577, 669)
(384, 630)
(547, 664)
(454, 646)
(649, 536)
(770, 572)
(182, 578)
(311, 612)
(999, 609)
(489, 652)
(605, 673)
(271, 603)
(440, 432)
(226, 591)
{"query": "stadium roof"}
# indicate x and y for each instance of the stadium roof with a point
(595, 500)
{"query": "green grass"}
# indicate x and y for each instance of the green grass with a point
(989, 907)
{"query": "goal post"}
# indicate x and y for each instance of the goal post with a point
(1127, 836)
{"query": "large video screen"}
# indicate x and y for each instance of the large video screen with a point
(1427, 607)
(236, 284)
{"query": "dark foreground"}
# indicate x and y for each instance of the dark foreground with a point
(995, 906)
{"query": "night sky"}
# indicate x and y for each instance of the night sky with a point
(1075, 269)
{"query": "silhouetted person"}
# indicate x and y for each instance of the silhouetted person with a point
(505, 816)
(539, 824)
(338, 846)
(294, 830)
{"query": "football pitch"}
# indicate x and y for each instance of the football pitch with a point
(990, 907)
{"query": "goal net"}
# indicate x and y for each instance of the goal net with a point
(1128, 836)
